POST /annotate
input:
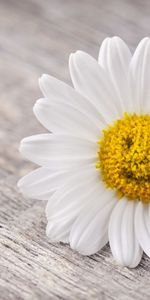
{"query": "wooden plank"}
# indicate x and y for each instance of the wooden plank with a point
(36, 37)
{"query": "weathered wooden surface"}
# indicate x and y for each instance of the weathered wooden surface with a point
(36, 36)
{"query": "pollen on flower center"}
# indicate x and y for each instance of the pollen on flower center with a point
(124, 157)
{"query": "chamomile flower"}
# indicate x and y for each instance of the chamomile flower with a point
(95, 161)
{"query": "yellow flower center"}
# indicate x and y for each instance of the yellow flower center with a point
(124, 157)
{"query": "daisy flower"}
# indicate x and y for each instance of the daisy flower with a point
(95, 161)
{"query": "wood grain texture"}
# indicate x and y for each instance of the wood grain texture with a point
(36, 36)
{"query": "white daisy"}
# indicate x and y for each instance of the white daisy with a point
(95, 165)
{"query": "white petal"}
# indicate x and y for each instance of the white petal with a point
(63, 118)
(89, 232)
(142, 226)
(58, 231)
(56, 90)
(65, 205)
(123, 243)
(139, 75)
(59, 152)
(69, 198)
(42, 183)
(91, 81)
(114, 57)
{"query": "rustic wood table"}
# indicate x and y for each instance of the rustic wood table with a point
(36, 36)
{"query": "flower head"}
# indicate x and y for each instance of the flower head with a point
(95, 164)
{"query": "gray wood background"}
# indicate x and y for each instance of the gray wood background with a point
(36, 36)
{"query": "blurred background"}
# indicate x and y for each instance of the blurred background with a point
(37, 36)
